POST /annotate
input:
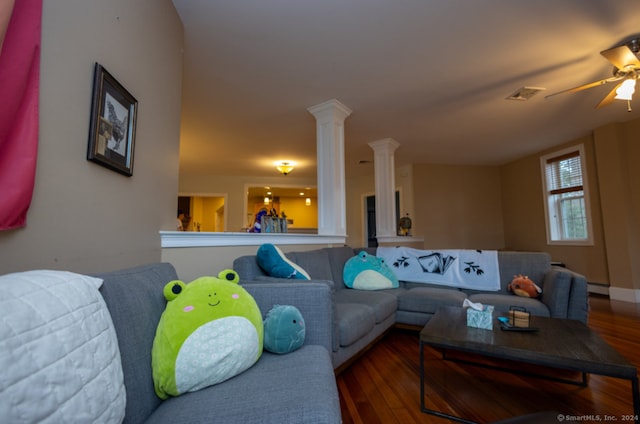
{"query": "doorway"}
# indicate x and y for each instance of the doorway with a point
(370, 218)
(203, 213)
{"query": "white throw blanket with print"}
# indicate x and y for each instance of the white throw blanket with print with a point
(468, 269)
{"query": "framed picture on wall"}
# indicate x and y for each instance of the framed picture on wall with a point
(112, 129)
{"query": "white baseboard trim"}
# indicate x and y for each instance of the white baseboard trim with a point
(598, 289)
(625, 295)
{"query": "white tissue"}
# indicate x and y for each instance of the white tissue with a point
(469, 304)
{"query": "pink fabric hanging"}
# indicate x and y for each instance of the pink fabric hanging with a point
(19, 89)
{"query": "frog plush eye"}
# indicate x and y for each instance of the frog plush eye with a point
(229, 275)
(172, 289)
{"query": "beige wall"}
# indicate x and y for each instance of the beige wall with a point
(303, 216)
(629, 162)
(85, 217)
(458, 207)
(523, 207)
(618, 152)
(614, 183)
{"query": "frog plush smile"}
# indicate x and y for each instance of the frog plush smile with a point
(210, 331)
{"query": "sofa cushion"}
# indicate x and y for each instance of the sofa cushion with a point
(58, 350)
(299, 387)
(429, 299)
(383, 304)
(338, 256)
(247, 267)
(135, 300)
(502, 303)
(355, 320)
(314, 262)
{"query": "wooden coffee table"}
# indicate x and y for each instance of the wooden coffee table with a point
(559, 343)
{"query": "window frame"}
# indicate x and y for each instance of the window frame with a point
(588, 241)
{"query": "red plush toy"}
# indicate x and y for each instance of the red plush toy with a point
(521, 285)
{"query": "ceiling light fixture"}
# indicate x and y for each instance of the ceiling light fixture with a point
(284, 167)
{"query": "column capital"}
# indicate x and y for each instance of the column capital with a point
(387, 143)
(330, 109)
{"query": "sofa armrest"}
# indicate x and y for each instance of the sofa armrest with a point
(565, 294)
(556, 289)
(578, 307)
(314, 299)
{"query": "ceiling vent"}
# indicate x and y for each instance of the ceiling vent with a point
(525, 93)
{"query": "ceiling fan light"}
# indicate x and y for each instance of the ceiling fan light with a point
(626, 90)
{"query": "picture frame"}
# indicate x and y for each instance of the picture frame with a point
(112, 129)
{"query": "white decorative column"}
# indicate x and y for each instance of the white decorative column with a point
(384, 165)
(332, 215)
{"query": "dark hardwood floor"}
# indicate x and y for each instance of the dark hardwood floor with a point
(383, 385)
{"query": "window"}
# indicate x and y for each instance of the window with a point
(566, 197)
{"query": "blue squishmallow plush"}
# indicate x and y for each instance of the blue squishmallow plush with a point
(276, 264)
(368, 272)
(284, 329)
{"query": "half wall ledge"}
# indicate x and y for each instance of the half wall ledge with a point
(205, 239)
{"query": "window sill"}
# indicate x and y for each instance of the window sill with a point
(570, 243)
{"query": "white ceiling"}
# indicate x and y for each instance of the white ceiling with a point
(431, 74)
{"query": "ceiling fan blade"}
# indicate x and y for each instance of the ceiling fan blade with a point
(621, 56)
(586, 86)
(610, 97)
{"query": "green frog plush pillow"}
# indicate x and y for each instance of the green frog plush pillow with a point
(210, 331)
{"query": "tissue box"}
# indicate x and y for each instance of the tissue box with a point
(480, 319)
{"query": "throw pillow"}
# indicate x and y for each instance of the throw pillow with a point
(284, 329)
(521, 285)
(368, 272)
(276, 264)
(210, 331)
(59, 353)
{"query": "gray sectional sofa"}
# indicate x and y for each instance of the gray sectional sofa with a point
(360, 317)
(293, 388)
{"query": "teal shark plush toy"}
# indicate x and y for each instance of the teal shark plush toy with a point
(368, 272)
(274, 262)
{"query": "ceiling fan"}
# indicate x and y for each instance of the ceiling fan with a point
(625, 72)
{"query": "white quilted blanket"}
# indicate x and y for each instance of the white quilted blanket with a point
(59, 357)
